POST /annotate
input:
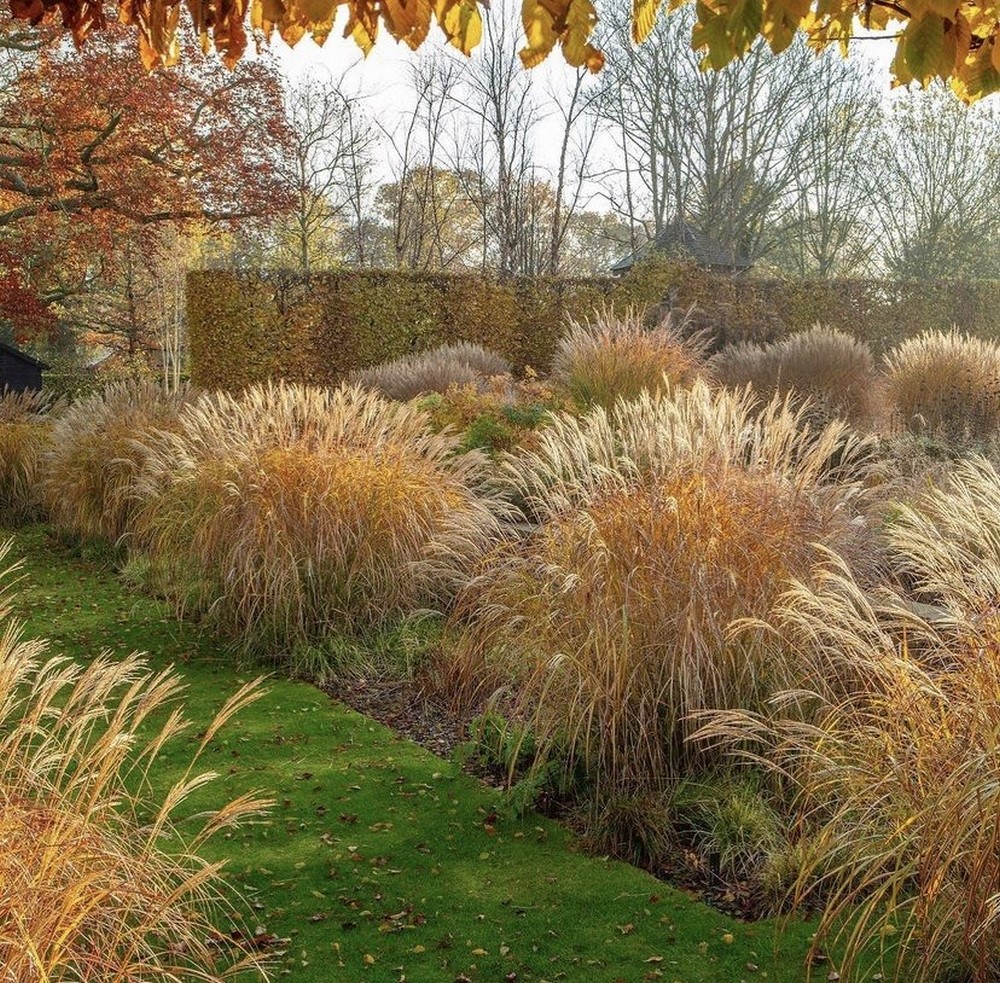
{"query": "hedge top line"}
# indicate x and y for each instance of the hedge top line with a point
(247, 326)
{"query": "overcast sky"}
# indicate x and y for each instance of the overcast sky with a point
(382, 77)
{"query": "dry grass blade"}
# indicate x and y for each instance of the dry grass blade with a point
(25, 429)
(896, 747)
(661, 525)
(618, 356)
(90, 886)
(833, 371)
(291, 512)
(435, 371)
(946, 383)
(95, 456)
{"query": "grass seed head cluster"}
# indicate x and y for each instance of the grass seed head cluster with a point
(289, 513)
(618, 356)
(435, 371)
(96, 454)
(662, 525)
(25, 431)
(834, 372)
(96, 879)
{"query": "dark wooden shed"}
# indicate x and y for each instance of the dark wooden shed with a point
(18, 370)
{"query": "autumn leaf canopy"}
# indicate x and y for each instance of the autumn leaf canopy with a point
(956, 42)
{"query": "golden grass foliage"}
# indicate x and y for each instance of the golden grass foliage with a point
(661, 524)
(96, 880)
(436, 371)
(895, 742)
(290, 512)
(946, 383)
(25, 425)
(833, 371)
(95, 456)
(619, 356)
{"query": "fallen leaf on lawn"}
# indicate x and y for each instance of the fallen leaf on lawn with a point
(626, 928)
(369, 959)
(728, 938)
(480, 952)
(655, 959)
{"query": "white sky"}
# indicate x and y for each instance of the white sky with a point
(382, 77)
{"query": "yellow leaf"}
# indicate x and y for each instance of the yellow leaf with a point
(643, 18)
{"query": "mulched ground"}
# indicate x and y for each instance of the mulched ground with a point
(405, 708)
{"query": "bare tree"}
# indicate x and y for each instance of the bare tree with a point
(718, 150)
(939, 177)
(327, 167)
(576, 146)
(427, 206)
(495, 147)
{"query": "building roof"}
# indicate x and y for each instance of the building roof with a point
(24, 356)
(682, 237)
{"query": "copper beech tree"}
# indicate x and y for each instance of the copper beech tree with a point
(99, 159)
(90, 133)
(954, 40)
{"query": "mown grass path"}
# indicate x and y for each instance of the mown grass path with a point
(376, 861)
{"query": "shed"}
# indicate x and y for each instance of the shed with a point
(18, 370)
(683, 239)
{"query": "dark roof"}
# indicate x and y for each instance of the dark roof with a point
(682, 237)
(24, 356)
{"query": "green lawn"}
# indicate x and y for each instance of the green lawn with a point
(375, 861)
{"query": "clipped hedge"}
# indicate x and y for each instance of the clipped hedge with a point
(248, 326)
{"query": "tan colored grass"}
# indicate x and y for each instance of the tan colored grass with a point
(661, 524)
(434, 371)
(946, 384)
(290, 512)
(25, 426)
(894, 741)
(95, 456)
(834, 372)
(96, 880)
(617, 355)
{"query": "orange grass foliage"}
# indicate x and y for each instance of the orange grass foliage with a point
(96, 881)
(619, 356)
(95, 456)
(946, 384)
(661, 525)
(892, 737)
(25, 427)
(290, 512)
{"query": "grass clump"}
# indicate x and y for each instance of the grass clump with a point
(290, 513)
(96, 454)
(434, 371)
(946, 384)
(894, 741)
(833, 371)
(661, 527)
(619, 356)
(25, 428)
(97, 881)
